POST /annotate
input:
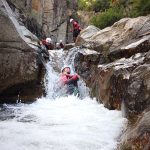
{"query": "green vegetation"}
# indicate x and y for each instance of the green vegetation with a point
(107, 18)
(93, 5)
(141, 7)
(109, 11)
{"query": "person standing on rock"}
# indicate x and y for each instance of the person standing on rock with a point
(76, 29)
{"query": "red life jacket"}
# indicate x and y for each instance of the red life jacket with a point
(69, 82)
(76, 26)
(67, 78)
(64, 78)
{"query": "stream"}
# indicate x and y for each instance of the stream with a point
(60, 123)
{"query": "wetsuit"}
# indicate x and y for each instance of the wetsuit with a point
(71, 83)
(61, 45)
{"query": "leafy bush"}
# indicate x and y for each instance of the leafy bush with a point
(100, 5)
(140, 7)
(110, 11)
(107, 18)
(85, 4)
(93, 5)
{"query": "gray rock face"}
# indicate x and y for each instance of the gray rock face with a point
(120, 76)
(43, 17)
(137, 135)
(116, 41)
(120, 72)
(86, 34)
(20, 69)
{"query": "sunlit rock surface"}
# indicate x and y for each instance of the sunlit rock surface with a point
(19, 59)
(86, 34)
(124, 36)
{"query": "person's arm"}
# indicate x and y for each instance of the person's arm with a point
(72, 79)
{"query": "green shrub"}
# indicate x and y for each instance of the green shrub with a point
(68, 3)
(140, 7)
(107, 18)
(93, 5)
(100, 5)
(85, 5)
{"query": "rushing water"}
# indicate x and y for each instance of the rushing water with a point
(63, 123)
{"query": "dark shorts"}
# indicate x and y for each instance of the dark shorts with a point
(76, 32)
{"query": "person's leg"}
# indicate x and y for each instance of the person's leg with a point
(74, 39)
(75, 34)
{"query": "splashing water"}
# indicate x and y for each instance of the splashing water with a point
(66, 123)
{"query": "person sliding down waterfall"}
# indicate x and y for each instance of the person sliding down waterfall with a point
(69, 81)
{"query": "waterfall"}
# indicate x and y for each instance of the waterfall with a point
(52, 77)
(60, 123)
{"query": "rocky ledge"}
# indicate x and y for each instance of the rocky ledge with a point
(20, 63)
(115, 64)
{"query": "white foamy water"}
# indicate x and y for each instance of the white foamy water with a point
(63, 123)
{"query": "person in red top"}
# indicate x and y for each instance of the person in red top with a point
(61, 44)
(76, 29)
(47, 43)
(70, 81)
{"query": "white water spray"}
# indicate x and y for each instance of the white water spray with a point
(66, 123)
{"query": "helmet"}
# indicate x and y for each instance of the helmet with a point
(60, 41)
(48, 40)
(62, 69)
(71, 20)
(57, 44)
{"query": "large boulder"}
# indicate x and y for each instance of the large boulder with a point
(86, 34)
(124, 39)
(20, 65)
(120, 72)
(137, 136)
(118, 75)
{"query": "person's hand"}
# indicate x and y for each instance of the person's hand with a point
(75, 77)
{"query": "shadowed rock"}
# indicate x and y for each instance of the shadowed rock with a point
(20, 63)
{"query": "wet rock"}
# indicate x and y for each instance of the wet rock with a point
(86, 62)
(69, 46)
(20, 63)
(137, 136)
(120, 76)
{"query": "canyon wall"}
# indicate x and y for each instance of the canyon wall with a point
(115, 64)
